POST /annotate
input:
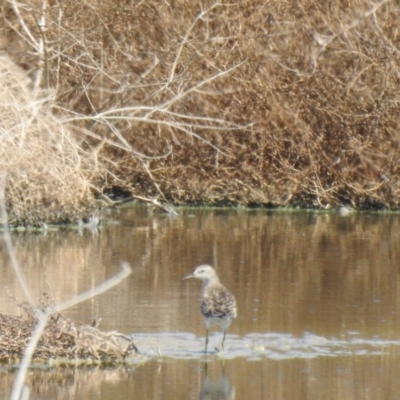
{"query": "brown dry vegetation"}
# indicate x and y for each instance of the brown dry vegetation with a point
(281, 102)
(43, 167)
(62, 341)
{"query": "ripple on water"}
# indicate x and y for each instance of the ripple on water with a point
(276, 346)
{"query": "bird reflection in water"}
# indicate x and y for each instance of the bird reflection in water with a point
(216, 390)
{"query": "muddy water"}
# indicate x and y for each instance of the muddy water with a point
(318, 301)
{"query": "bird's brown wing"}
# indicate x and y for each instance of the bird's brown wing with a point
(218, 303)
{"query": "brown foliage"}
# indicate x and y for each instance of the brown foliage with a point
(309, 119)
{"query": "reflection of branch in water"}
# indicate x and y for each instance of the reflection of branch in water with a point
(218, 390)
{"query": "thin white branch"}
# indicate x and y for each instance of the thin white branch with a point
(7, 239)
(43, 318)
(19, 382)
(33, 41)
(185, 40)
(103, 287)
(183, 94)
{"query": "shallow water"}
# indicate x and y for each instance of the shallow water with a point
(318, 301)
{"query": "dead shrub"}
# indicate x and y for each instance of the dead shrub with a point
(268, 102)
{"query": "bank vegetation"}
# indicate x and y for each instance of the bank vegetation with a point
(273, 103)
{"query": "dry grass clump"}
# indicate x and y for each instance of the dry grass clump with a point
(62, 341)
(271, 102)
(46, 170)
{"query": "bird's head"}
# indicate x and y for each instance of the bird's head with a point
(203, 272)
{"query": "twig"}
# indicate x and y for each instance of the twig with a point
(19, 390)
(43, 318)
(7, 239)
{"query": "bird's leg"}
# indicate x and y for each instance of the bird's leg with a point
(205, 351)
(223, 341)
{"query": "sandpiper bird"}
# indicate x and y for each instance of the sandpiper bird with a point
(218, 306)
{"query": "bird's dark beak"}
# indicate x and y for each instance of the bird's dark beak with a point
(187, 277)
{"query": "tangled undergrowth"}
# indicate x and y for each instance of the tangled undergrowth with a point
(287, 103)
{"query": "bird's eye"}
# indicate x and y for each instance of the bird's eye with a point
(201, 271)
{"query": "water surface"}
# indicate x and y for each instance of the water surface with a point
(318, 302)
